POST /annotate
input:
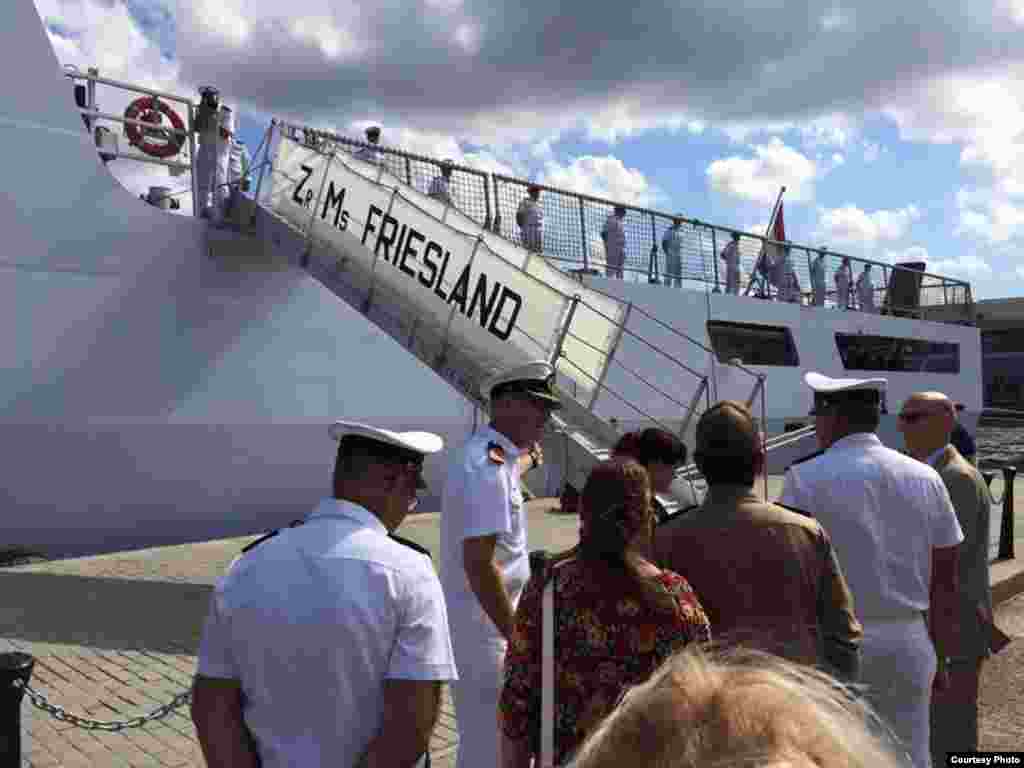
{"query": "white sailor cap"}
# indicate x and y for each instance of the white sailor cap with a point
(828, 389)
(536, 379)
(408, 446)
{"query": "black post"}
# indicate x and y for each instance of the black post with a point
(13, 667)
(1006, 528)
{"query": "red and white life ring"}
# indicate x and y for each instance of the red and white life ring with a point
(149, 109)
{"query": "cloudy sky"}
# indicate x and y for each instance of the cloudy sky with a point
(898, 129)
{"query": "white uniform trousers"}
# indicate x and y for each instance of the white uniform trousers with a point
(898, 667)
(480, 659)
(221, 192)
(205, 171)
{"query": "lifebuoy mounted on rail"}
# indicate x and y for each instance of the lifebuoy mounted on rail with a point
(157, 141)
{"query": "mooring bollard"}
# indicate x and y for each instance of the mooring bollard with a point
(1006, 532)
(14, 667)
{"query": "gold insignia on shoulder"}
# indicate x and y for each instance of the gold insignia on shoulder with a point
(495, 453)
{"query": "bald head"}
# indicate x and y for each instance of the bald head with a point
(728, 446)
(926, 421)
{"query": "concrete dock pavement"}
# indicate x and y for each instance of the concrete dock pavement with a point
(115, 636)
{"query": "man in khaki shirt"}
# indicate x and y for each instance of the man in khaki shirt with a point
(767, 576)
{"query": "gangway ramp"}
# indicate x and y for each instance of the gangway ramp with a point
(464, 300)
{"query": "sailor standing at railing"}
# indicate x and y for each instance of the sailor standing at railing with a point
(844, 278)
(225, 138)
(672, 245)
(731, 256)
(866, 291)
(818, 280)
(370, 154)
(207, 125)
(784, 276)
(614, 236)
(238, 176)
(530, 219)
(439, 185)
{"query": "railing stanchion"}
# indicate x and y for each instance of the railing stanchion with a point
(14, 668)
(1006, 532)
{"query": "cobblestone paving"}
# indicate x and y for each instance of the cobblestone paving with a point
(115, 636)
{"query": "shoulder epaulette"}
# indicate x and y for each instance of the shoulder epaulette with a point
(668, 517)
(410, 544)
(495, 453)
(801, 512)
(253, 544)
(808, 457)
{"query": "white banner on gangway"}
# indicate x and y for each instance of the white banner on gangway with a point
(502, 304)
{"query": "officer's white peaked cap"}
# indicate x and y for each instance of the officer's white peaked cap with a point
(535, 379)
(423, 443)
(828, 386)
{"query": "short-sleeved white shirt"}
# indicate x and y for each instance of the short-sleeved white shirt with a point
(313, 621)
(482, 497)
(672, 243)
(885, 513)
(439, 189)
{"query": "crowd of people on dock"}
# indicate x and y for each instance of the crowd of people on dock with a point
(844, 625)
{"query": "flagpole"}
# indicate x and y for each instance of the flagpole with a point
(767, 234)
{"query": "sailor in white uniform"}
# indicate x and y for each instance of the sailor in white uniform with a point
(207, 125)
(672, 246)
(530, 219)
(866, 291)
(439, 185)
(225, 138)
(327, 642)
(896, 533)
(238, 175)
(818, 280)
(844, 279)
(614, 236)
(370, 154)
(484, 559)
(731, 256)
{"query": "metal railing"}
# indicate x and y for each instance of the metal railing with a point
(469, 189)
(571, 236)
(96, 121)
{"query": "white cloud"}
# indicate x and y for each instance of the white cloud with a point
(605, 177)
(758, 179)
(333, 42)
(871, 152)
(970, 266)
(1020, 272)
(223, 19)
(988, 215)
(850, 225)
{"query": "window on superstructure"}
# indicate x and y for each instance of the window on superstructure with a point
(886, 353)
(752, 344)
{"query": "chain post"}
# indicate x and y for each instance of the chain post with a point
(15, 671)
(1006, 532)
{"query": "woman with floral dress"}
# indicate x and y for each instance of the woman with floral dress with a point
(617, 617)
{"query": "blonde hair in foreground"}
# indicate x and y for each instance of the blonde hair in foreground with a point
(733, 708)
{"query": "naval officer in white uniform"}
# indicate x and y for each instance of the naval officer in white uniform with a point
(484, 559)
(327, 643)
(896, 533)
